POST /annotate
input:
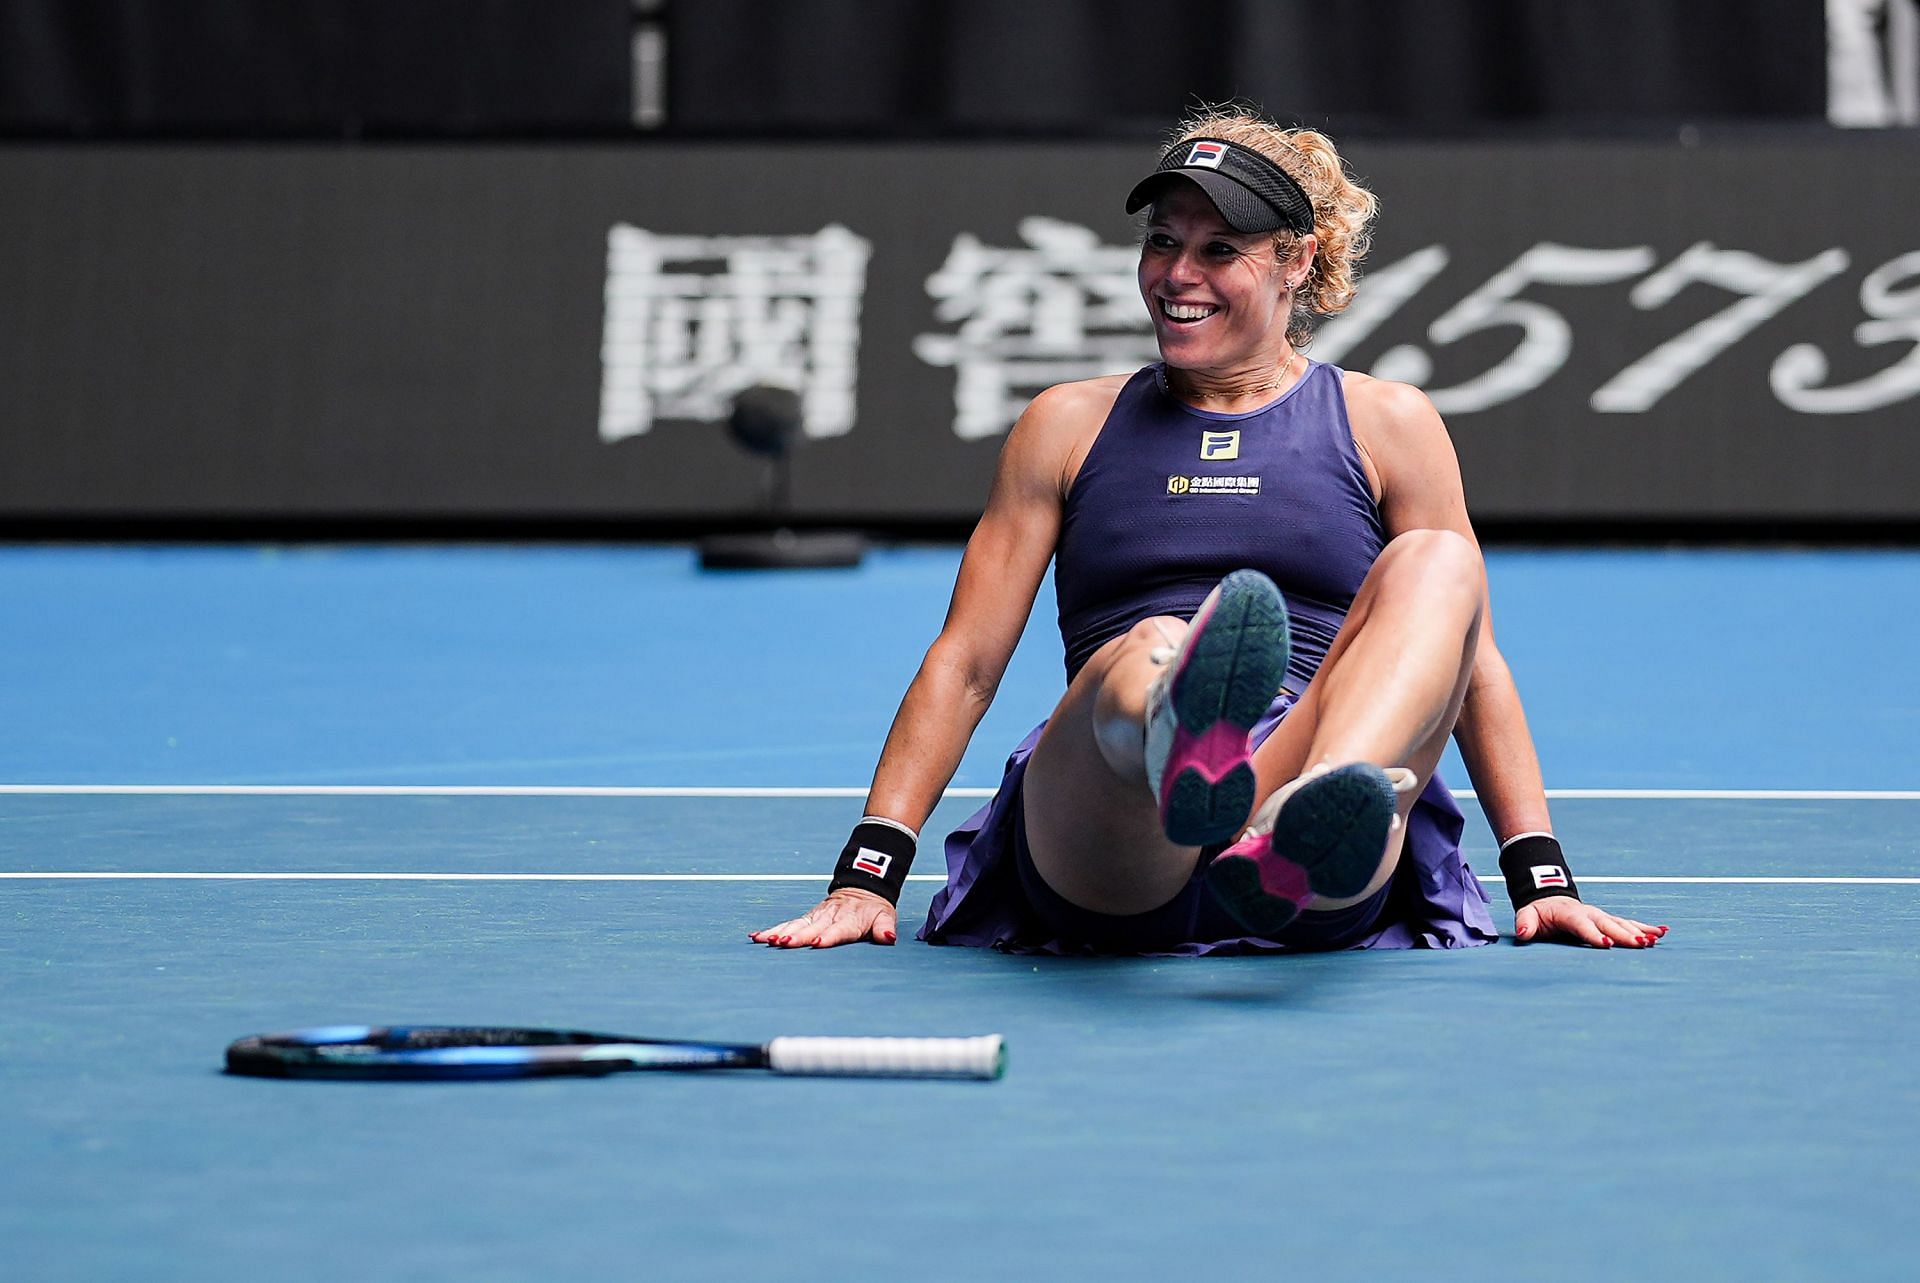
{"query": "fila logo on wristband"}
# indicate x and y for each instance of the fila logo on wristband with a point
(868, 860)
(1528, 878)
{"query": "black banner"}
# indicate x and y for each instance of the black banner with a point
(1613, 332)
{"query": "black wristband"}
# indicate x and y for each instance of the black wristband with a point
(1535, 869)
(876, 858)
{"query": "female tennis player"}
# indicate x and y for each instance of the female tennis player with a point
(1274, 613)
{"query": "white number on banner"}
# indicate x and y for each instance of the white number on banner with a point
(1799, 370)
(1770, 288)
(1546, 338)
(1066, 306)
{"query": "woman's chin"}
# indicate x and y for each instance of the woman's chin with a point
(1180, 350)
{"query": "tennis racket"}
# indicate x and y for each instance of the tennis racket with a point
(467, 1052)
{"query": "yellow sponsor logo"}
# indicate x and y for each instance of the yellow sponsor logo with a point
(1216, 447)
(1205, 485)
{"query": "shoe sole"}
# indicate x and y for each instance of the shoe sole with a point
(1227, 679)
(1237, 880)
(1332, 832)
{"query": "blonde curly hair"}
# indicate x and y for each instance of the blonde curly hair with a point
(1343, 210)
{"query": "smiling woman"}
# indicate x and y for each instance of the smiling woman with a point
(1219, 320)
(1314, 199)
(1274, 616)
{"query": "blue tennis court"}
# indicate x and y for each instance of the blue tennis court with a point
(252, 789)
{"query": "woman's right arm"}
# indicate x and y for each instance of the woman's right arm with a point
(1000, 573)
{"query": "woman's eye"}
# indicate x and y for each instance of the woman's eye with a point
(1159, 240)
(1220, 249)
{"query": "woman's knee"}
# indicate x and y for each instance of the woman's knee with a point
(1436, 561)
(1158, 630)
(1152, 632)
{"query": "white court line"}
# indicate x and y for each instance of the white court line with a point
(1736, 795)
(756, 791)
(443, 877)
(443, 790)
(1494, 880)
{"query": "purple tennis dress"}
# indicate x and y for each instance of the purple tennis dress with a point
(1167, 502)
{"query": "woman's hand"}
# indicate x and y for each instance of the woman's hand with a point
(1566, 918)
(844, 917)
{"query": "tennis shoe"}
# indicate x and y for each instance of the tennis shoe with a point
(1323, 834)
(1213, 687)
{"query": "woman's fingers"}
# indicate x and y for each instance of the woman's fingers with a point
(1584, 927)
(1588, 924)
(782, 932)
(842, 918)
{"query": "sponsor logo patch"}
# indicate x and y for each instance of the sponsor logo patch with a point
(1198, 485)
(868, 860)
(1218, 447)
(1206, 155)
(1548, 875)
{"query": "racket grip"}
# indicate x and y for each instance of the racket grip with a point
(982, 1057)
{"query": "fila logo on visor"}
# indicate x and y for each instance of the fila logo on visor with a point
(1548, 875)
(1219, 445)
(868, 860)
(1206, 155)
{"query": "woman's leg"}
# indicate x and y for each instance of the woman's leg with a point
(1093, 828)
(1393, 681)
(1388, 692)
(1146, 758)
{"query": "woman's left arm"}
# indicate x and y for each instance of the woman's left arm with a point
(1416, 475)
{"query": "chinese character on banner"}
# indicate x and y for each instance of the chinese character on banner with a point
(1067, 307)
(693, 320)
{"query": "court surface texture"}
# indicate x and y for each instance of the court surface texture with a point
(558, 785)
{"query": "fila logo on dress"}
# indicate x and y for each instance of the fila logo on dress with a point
(1219, 446)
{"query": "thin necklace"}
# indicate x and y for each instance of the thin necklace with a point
(1279, 382)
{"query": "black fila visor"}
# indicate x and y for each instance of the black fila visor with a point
(1251, 192)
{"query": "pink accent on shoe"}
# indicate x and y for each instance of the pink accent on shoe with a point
(1280, 877)
(1212, 753)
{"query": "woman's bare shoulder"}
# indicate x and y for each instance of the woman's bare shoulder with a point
(1080, 399)
(1059, 426)
(1390, 416)
(1384, 399)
